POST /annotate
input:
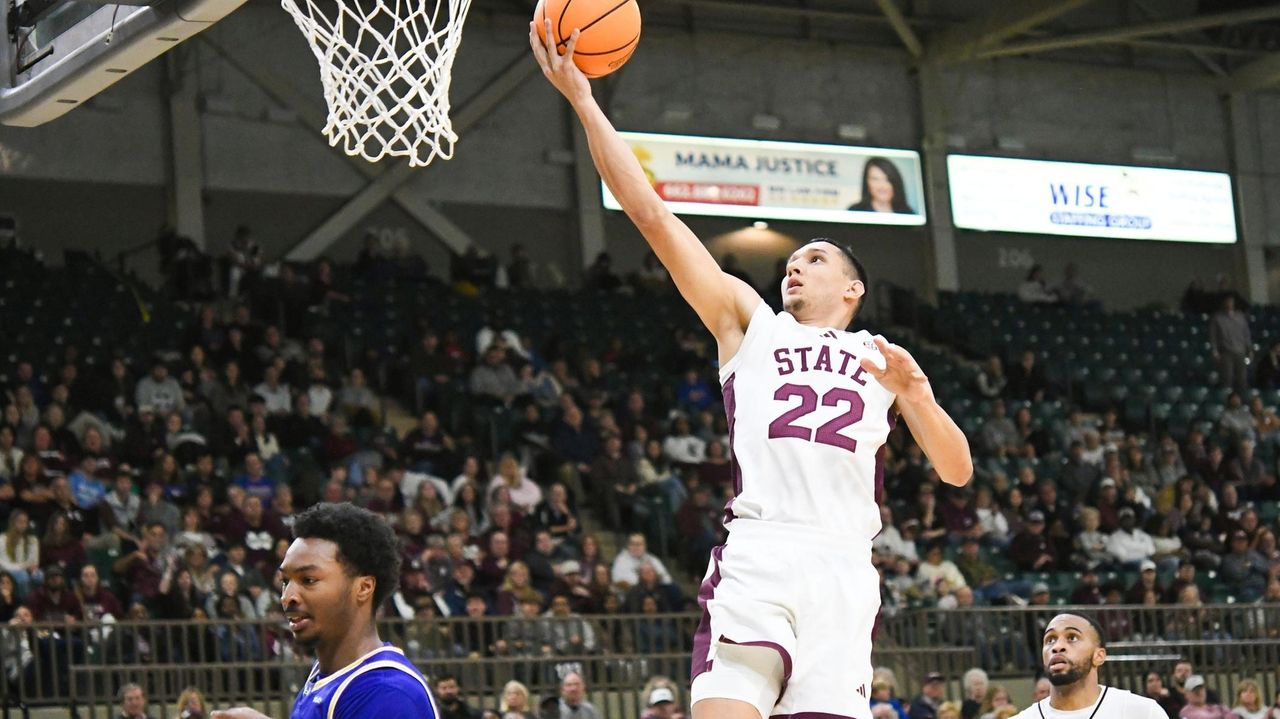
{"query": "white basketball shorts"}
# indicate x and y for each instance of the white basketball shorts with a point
(787, 617)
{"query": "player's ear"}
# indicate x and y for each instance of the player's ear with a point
(855, 289)
(1099, 656)
(364, 586)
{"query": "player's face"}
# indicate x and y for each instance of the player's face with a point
(817, 276)
(320, 599)
(1070, 650)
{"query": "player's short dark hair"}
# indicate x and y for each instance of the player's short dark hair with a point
(1097, 628)
(367, 546)
(847, 251)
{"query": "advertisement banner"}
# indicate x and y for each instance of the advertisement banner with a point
(1082, 200)
(760, 179)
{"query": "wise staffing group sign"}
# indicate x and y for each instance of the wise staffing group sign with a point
(1070, 198)
(758, 179)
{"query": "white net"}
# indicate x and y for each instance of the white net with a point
(385, 66)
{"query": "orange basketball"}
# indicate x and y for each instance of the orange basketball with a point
(610, 31)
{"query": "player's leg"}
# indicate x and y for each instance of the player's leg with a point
(725, 709)
(744, 644)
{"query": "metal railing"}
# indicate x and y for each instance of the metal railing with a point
(83, 665)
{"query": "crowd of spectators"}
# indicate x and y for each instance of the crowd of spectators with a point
(1182, 694)
(164, 487)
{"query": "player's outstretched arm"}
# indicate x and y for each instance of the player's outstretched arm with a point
(941, 439)
(723, 303)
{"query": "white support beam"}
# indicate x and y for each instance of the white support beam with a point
(942, 261)
(1246, 167)
(1123, 34)
(964, 41)
(385, 185)
(1261, 73)
(902, 27)
(186, 147)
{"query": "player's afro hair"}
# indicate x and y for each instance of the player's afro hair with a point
(367, 545)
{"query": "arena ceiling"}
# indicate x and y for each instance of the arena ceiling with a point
(1235, 41)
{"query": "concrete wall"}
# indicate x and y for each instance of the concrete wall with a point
(98, 176)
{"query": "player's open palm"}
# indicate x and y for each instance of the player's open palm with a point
(901, 375)
(559, 69)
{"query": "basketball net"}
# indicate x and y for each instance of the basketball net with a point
(385, 66)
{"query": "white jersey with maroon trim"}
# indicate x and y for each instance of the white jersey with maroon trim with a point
(807, 425)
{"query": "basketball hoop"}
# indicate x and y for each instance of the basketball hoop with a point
(385, 66)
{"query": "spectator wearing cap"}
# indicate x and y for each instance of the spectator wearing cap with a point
(1185, 577)
(932, 694)
(661, 704)
(1147, 583)
(1243, 569)
(159, 391)
(1108, 505)
(55, 602)
(1198, 706)
(1030, 549)
(1130, 544)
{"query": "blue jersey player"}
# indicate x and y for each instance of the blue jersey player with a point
(343, 564)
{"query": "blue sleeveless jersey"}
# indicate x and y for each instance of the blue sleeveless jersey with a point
(382, 684)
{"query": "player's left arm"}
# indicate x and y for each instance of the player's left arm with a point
(937, 434)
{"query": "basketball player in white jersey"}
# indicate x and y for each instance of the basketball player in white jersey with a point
(790, 599)
(1074, 648)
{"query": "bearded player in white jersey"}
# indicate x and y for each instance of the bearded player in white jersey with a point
(1073, 651)
(790, 599)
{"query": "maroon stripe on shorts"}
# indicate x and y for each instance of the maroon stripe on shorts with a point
(811, 715)
(893, 422)
(702, 637)
(730, 411)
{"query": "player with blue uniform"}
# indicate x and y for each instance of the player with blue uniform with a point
(343, 564)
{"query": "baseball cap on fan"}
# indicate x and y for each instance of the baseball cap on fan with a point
(1195, 681)
(661, 695)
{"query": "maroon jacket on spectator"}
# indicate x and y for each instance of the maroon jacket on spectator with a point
(54, 602)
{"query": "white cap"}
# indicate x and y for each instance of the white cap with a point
(1195, 681)
(660, 695)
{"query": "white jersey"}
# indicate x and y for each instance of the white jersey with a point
(1112, 703)
(807, 425)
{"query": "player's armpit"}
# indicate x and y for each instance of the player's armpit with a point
(384, 694)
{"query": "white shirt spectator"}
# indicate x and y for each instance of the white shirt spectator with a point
(1132, 546)
(321, 399)
(411, 480)
(278, 398)
(688, 449)
(992, 522)
(890, 542)
(526, 495)
(930, 574)
(626, 568)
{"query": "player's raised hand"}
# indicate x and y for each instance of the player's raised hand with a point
(559, 69)
(901, 375)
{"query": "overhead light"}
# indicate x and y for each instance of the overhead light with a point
(765, 121)
(676, 113)
(760, 225)
(1010, 143)
(1154, 154)
(852, 131)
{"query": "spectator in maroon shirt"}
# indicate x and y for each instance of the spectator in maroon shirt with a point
(959, 515)
(493, 570)
(54, 602)
(258, 531)
(96, 601)
(1030, 549)
(59, 548)
(145, 567)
